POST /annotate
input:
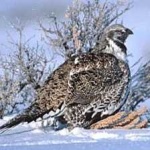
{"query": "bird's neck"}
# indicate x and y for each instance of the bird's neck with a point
(116, 48)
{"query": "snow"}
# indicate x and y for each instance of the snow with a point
(31, 136)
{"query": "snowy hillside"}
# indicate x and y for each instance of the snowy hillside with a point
(29, 137)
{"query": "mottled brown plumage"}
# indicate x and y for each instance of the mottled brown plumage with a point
(98, 86)
(91, 86)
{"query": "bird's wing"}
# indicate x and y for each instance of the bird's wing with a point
(91, 76)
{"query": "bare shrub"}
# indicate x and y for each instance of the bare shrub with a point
(83, 26)
(23, 71)
(140, 87)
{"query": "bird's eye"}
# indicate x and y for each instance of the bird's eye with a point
(119, 31)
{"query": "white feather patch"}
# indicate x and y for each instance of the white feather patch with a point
(115, 50)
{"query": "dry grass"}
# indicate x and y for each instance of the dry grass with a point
(123, 120)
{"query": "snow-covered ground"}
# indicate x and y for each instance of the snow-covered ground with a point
(29, 137)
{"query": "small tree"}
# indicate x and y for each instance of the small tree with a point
(23, 71)
(83, 26)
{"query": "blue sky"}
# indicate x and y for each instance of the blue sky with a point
(138, 19)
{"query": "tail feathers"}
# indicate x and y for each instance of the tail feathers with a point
(30, 114)
(13, 122)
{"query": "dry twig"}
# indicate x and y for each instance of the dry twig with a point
(88, 20)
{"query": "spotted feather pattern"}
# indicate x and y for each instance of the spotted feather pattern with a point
(98, 83)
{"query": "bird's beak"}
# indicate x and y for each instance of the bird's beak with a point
(128, 31)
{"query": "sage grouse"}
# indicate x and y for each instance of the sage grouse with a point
(85, 88)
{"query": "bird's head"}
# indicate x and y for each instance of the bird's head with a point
(117, 33)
